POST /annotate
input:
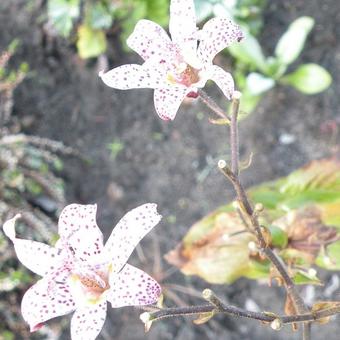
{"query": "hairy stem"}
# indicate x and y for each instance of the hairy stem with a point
(235, 105)
(212, 104)
(221, 308)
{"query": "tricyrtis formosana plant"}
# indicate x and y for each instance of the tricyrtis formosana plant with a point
(278, 230)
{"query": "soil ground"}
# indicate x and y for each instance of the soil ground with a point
(173, 164)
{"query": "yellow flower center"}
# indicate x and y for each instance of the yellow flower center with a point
(89, 289)
(184, 74)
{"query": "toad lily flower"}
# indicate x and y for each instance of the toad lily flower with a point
(80, 274)
(179, 67)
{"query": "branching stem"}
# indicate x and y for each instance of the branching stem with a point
(221, 308)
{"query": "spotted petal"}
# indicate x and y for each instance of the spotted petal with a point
(38, 257)
(152, 74)
(149, 40)
(217, 34)
(128, 232)
(78, 230)
(223, 80)
(167, 100)
(46, 300)
(182, 25)
(87, 322)
(132, 287)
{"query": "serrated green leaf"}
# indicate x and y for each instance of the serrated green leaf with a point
(62, 13)
(206, 249)
(309, 79)
(91, 42)
(292, 41)
(221, 255)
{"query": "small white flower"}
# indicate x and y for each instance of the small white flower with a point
(179, 67)
(80, 274)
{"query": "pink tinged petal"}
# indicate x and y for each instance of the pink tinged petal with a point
(152, 74)
(87, 322)
(150, 40)
(46, 300)
(78, 230)
(38, 257)
(133, 287)
(182, 25)
(168, 100)
(128, 232)
(223, 80)
(217, 34)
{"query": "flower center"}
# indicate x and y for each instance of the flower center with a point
(90, 287)
(184, 74)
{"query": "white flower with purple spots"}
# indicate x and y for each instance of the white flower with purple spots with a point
(81, 274)
(179, 67)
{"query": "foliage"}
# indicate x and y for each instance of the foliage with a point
(256, 74)
(245, 12)
(301, 211)
(29, 181)
(9, 80)
(91, 20)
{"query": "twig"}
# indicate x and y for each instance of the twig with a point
(212, 105)
(235, 105)
(239, 312)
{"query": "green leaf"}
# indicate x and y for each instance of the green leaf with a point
(62, 13)
(248, 103)
(158, 11)
(302, 277)
(309, 79)
(292, 41)
(330, 259)
(98, 15)
(216, 249)
(249, 52)
(279, 237)
(258, 84)
(204, 9)
(91, 42)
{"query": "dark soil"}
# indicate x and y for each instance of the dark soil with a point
(173, 163)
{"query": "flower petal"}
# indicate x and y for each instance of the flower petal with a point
(38, 257)
(46, 300)
(223, 79)
(132, 287)
(87, 322)
(167, 100)
(217, 34)
(182, 24)
(78, 229)
(149, 40)
(152, 74)
(128, 232)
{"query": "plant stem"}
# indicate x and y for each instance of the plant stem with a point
(221, 308)
(212, 104)
(292, 291)
(246, 207)
(235, 105)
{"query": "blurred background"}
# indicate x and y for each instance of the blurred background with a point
(66, 137)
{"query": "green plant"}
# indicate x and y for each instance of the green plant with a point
(90, 20)
(246, 12)
(255, 74)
